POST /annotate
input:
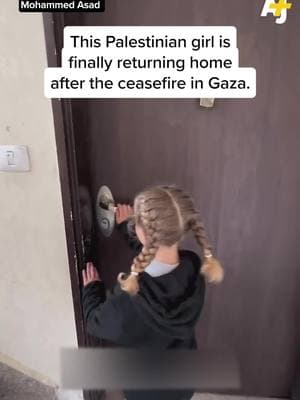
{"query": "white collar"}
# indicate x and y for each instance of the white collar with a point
(157, 268)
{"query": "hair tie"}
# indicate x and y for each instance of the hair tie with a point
(208, 254)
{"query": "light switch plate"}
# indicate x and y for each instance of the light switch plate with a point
(14, 158)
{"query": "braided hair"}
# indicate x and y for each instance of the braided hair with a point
(166, 214)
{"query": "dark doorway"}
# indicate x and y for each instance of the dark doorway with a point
(240, 162)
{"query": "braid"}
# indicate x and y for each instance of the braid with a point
(198, 229)
(211, 267)
(140, 262)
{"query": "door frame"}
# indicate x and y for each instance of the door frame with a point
(66, 156)
(65, 144)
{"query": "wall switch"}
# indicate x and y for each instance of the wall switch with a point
(14, 158)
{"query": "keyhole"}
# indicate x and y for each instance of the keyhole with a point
(104, 223)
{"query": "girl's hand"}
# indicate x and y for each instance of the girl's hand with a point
(123, 212)
(90, 274)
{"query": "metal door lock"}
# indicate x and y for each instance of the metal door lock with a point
(105, 211)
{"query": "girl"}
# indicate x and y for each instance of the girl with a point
(161, 298)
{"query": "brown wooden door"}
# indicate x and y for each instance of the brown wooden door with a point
(240, 162)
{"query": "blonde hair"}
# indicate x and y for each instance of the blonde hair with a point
(166, 214)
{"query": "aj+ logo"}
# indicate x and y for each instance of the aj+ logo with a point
(279, 10)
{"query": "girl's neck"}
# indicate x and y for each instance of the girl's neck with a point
(168, 254)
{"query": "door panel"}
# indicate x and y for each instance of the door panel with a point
(240, 162)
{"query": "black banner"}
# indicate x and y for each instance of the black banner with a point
(61, 6)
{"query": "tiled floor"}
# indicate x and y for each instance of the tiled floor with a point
(17, 386)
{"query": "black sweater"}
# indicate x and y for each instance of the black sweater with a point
(161, 316)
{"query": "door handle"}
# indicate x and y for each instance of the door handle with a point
(105, 211)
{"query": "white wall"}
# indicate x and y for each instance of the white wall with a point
(36, 310)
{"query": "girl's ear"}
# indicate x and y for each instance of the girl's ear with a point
(140, 233)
